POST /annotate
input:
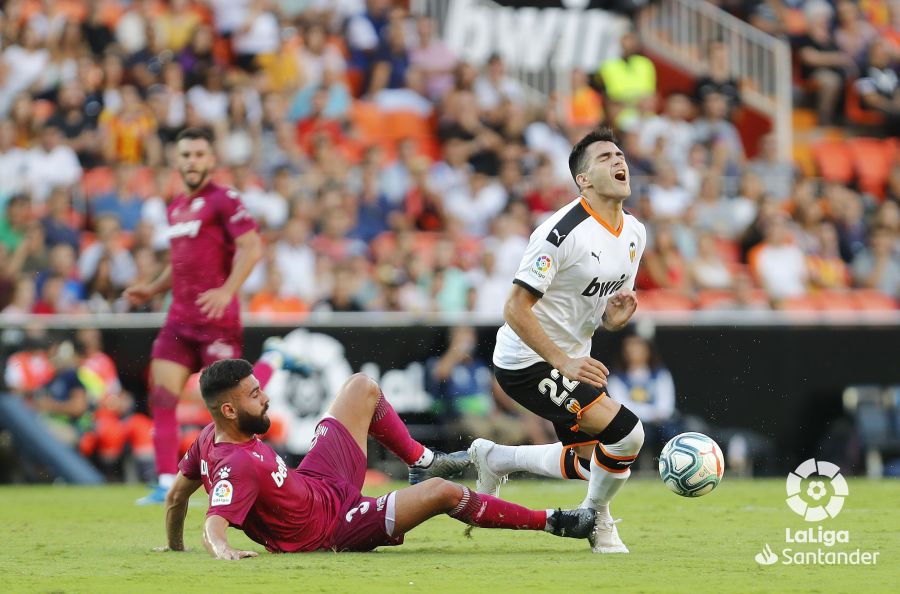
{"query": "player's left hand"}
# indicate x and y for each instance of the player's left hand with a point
(619, 309)
(213, 302)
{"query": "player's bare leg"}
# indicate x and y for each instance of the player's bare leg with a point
(433, 497)
(362, 408)
(167, 380)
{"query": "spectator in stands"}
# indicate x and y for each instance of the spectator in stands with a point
(24, 298)
(667, 198)
(121, 202)
(210, 99)
(100, 290)
(718, 78)
(176, 24)
(296, 261)
(24, 61)
(13, 163)
(130, 132)
(51, 164)
(445, 283)
(431, 55)
(271, 300)
(424, 204)
(584, 106)
(343, 296)
(777, 175)
(63, 401)
(669, 134)
(493, 85)
(95, 29)
(462, 386)
(548, 136)
(475, 206)
(62, 263)
(823, 61)
(642, 382)
(778, 263)
(390, 62)
(826, 268)
(15, 221)
(878, 266)
(547, 194)
(879, 86)
(490, 284)
(629, 82)
(720, 135)
(665, 267)
(709, 269)
(744, 296)
(78, 125)
(257, 35)
(853, 33)
(31, 256)
(110, 242)
(453, 171)
(197, 58)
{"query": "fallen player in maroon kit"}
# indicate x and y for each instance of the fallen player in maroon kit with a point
(318, 505)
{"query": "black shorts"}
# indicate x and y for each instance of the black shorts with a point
(544, 391)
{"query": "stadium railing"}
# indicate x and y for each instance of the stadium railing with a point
(681, 29)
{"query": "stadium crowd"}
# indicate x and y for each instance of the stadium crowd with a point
(386, 174)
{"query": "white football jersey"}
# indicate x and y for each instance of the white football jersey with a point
(574, 262)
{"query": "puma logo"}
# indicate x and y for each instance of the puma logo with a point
(559, 237)
(597, 255)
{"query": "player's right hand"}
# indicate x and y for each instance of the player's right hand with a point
(587, 370)
(138, 294)
(230, 554)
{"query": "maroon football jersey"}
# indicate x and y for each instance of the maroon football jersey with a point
(250, 486)
(202, 234)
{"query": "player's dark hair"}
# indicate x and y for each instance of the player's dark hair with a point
(578, 156)
(222, 376)
(197, 133)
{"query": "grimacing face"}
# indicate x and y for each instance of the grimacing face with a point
(606, 171)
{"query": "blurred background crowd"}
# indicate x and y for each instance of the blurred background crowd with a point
(387, 175)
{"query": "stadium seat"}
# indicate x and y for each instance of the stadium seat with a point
(368, 122)
(836, 301)
(870, 300)
(834, 160)
(728, 249)
(803, 157)
(799, 303)
(664, 300)
(401, 125)
(709, 299)
(96, 181)
(855, 111)
(872, 163)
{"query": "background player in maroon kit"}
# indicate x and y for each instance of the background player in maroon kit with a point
(214, 244)
(318, 505)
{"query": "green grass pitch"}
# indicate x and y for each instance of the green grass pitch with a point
(68, 539)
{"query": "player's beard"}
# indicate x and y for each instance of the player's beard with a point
(202, 179)
(251, 425)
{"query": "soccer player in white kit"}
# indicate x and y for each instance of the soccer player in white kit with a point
(577, 273)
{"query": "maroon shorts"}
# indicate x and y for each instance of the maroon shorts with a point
(195, 346)
(337, 460)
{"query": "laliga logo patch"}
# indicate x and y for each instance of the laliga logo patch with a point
(221, 493)
(541, 266)
(809, 506)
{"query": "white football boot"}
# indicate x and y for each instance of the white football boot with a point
(605, 538)
(488, 481)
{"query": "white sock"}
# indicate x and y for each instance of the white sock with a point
(542, 460)
(602, 487)
(547, 526)
(166, 480)
(425, 459)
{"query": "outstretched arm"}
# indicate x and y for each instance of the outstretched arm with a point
(216, 542)
(176, 508)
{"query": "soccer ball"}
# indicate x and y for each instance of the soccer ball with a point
(691, 464)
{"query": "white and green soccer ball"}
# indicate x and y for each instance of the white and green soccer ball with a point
(691, 464)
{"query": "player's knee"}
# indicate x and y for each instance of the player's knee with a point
(442, 493)
(362, 386)
(621, 441)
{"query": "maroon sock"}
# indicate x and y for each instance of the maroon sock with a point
(389, 430)
(263, 371)
(165, 429)
(487, 511)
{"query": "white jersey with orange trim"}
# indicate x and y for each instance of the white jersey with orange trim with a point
(574, 263)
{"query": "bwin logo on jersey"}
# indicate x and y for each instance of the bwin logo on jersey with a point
(595, 287)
